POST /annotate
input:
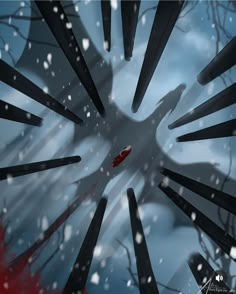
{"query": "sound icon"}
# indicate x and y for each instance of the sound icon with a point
(219, 278)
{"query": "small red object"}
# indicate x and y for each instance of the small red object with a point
(122, 155)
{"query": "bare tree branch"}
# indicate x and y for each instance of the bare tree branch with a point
(154, 8)
(217, 13)
(61, 240)
(129, 268)
(18, 15)
(13, 27)
(133, 275)
(228, 223)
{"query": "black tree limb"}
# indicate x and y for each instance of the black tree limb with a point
(78, 277)
(15, 79)
(106, 19)
(13, 113)
(223, 61)
(56, 18)
(147, 282)
(25, 169)
(221, 100)
(129, 12)
(217, 234)
(225, 129)
(166, 16)
(217, 197)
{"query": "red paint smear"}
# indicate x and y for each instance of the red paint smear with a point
(19, 280)
(121, 156)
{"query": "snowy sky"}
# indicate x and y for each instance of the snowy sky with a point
(184, 57)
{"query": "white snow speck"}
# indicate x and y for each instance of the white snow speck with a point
(88, 114)
(44, 223)
(199, 267)
(9, 179)
(6, 47)
(54, 285)
(49, 58)
(217, 250)
(68, 232)
(5, 285)
(69, 25)
(147, 230)
(105, 45)
(129, 283)
(193, 216)
(210, 88)
(95, 278)
(233, 252)
(85, 43)
(45, 90)
(45, 65)
(103, 263)
(20, 241)
(143, 20)
(204, 280)
(138, 238)
(165, 182)
(97, 251)
(114, 4)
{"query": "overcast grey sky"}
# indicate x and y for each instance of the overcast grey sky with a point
(184, 57)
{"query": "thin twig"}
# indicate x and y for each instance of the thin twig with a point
(13, 27)
(133, 275)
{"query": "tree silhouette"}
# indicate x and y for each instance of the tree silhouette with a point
(120, 130)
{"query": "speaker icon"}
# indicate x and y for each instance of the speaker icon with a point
(219, 278)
